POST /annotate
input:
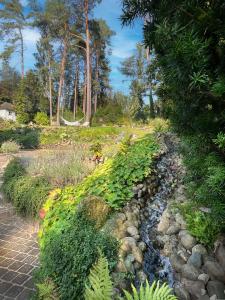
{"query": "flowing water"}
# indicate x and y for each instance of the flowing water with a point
(156, 266)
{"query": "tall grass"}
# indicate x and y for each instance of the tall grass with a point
(62, 167)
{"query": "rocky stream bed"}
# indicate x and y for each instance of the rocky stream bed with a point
(155, 243)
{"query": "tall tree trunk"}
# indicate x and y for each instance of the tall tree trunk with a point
(96, 78)
(88, 110)
(84, 98)
(151, 101)
(50, 86)
(61, 80)
(22, 53)
(75, 92)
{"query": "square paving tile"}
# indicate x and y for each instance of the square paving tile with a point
(14, 291)
(20, 279)
(29, 283)
(26, 269)
(20, 257)
(4, 287)
(15, 266)
(25, 295)
(7, 262)
(9, 275)
(3, 271)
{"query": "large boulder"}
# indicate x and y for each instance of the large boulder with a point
(216, 288)
(215, 270)
(199, 249)
(195, 288)
(181, 293)
(177, 262)
(187, 240)
(220, 254)
(195, 259)
(190, 272)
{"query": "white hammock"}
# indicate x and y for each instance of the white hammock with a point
(76, 123)
(67, 123)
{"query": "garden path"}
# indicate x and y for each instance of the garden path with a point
(18, 250)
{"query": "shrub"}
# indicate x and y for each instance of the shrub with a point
(41, 118)
(205, 180)
(28, 138)
(69, 247)
(26, 193)
(22, 118)
(10, 147)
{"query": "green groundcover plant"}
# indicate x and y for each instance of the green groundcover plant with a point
(71, 238)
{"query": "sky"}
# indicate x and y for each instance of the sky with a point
(123, 43)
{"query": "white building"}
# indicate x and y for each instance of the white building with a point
(7, 112)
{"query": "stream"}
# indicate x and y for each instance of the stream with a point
(156, 266)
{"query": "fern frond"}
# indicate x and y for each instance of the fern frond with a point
(155, 292)
(101, 287)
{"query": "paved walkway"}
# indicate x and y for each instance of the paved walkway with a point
(18, 250)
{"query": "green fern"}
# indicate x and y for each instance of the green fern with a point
(47, 290)
(154, 292)
(101, 287)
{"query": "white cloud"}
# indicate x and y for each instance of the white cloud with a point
(123, 47)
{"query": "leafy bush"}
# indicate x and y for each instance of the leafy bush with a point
(10, 147)
(41, 118)
(205, 180)
(220, 140)
(203, 227)
(26, 193)
(69, 247)
(28, 138)
(111, 114)
(159, 125)
(22, 118)
(113, 181)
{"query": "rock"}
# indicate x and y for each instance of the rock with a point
(121, 216)
(190, 272)
(132, 230)
(121, 268)
(213, 297)
(216, 288)
(214, 270)
(205, 297)
(128, 243)
(142, 276)
(187, 240)
(220, 255)
(173, 229)
(162, 239)
(183, 254)
(194, 288)
(137, 266)
(195, 259)
(137, 255)
(200, 249)
(181, 293)
(129, 263)
(176, 262)
(142, 246)
(180, 220)
(164, 224)
(204, 277)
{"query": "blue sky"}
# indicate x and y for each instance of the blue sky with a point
(123, 43)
